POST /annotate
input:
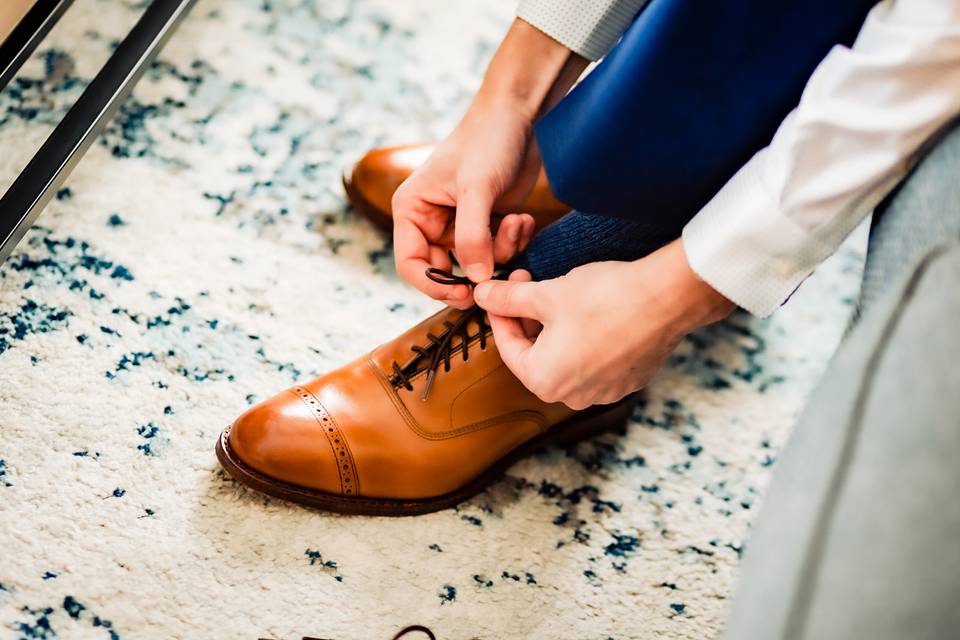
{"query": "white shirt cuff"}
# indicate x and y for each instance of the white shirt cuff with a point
(743, 246)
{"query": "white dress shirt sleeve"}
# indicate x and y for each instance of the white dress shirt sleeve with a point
(863, 121)
(587, 27)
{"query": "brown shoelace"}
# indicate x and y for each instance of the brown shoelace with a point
(415, 627)
(400, 634)
(442, 347)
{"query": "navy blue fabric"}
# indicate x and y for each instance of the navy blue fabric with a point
(691, 92)
(579, 238)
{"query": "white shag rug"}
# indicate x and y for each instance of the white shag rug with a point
(201, 258)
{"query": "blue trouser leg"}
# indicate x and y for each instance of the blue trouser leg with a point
(907, 223)
(692, 90)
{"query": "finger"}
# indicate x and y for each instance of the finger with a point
(512, 299)
(520, 275)
(433, 218)
(459, 296)
(440, 258)
(514, 346)
(530, 327)
(527, 231)
(507, 238)
(414, 255)
(472, 233)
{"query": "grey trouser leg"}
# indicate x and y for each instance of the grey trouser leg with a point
(922, 212)
(859, 536)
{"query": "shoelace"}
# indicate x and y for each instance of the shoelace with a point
(415, 627)
(400, 634)
(441, 347)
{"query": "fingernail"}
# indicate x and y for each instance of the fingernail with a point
(480, 291)
(476, 271)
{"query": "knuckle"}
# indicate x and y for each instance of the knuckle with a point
(470, 241)
(547, 302)
(509, 297)
(468, 233)
(400, 197)
(544, 390)
(473, 185)
(546, 396)
(492, 296)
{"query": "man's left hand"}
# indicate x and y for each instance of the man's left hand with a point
(603, 330)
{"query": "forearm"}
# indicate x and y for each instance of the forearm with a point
(529, 73)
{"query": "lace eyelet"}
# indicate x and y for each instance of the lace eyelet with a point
(456, 335)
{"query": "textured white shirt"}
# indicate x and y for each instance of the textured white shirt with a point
(865, 117)
(863, 121)
(587, 27)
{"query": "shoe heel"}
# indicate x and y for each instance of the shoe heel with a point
(594, 421)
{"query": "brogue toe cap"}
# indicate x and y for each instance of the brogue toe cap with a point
(284, 440)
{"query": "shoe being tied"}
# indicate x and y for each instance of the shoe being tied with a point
(370, 184)
(421, 423)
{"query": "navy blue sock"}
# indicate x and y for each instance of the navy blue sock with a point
(580, 238)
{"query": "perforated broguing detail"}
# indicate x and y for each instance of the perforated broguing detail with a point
(349, 484)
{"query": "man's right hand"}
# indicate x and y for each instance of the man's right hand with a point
(488, 164)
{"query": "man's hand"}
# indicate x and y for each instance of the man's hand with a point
(607, 327)
(488, 164)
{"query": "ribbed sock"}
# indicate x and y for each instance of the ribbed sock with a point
(580, 238)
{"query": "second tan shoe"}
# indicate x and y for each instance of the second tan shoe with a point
(419, 424)
(371, 182)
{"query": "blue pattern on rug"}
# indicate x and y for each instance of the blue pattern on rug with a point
(202, 257)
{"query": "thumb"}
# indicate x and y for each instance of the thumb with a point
(511, 299)
(474, 244)
(514, 346)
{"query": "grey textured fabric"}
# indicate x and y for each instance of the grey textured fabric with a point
(859, 536)
(587, 27)
(922, 212)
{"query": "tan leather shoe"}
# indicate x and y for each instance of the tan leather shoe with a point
(419, 424)
(370, 184)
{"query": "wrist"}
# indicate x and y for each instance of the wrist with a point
(529, 73)
(688, 301)
(705, 304)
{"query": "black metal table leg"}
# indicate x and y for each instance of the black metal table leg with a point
(28, 33)
(61, 151)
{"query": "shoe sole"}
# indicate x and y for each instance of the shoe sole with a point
(579, 427)
(364, 207)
